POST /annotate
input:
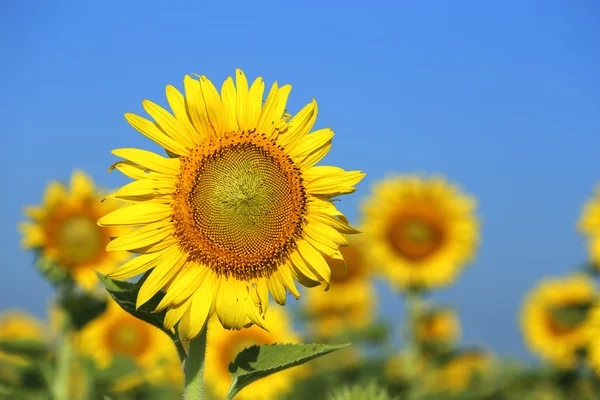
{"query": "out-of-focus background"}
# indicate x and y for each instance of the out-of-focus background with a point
(502, 98)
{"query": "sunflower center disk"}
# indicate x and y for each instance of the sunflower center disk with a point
(416, 236)
(127, 338)
(79, 239)
(240, 207)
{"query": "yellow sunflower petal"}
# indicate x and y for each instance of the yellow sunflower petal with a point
(231, 304)
(315, 156)
(151, 131)
(81, 185)
(254, 105)
(229, 98)
(299, 126)
(315, 259)
(142, 237)
(311, 142)
(166, 268)
(54, 195)
(135, 266)
(196, 107)
(200, 308)
(178, 106)
(175, 313)
(241, 84)
(190, 279)
(146, 187)
(277, 289)
(137, 214)
(150, 160)
(268, 116)
(214, 106)
(168, 123)
(341, 183)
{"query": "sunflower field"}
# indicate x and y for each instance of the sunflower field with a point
(245, 250)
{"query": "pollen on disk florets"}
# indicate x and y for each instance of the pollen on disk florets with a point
(240, 204)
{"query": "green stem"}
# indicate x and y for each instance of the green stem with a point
(194, 368)
(413, 300)
(60, 387)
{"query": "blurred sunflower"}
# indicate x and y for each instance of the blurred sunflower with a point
(351, 299)
(593, 335)
(225, 346)
(589, 225)
(420, 231)
(117, 333)
(15, 326)
(554, 318)
(462, 370)
(239, 210)
(64, 231)
(438, 326)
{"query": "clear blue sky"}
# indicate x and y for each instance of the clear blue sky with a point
(502, 97)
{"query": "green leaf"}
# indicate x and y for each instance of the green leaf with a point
(257, 362)
(125, 294)
(26, 348)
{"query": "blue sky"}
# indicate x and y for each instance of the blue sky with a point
(501, 97)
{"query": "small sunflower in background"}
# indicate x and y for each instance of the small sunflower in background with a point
(420, 232)
(350, 301)
(17, 325)
(238, 211)
(116, 333)
(554, 318)
(225, 346)
(461, 371)
(438, 328)
(589, 225)
(65, 233)
(593, 335)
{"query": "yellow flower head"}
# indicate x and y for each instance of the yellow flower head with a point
(350, 301)
(554, 318)
(462, 371)
(238, 211)
(224, 346)
(18, 325)
(593, 335)
(419, 231)
(65, 232)
(589, 225)
(438, 326)
(118, 333)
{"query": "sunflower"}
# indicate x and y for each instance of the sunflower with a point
(593, 335)
(420, 231)
(238, 211)
(116, 333)
(589, 225)
(438, 326)
(225, 346)
(15, 326)
(462, 370)
(554, 318)
(65, 233)
(351, 299)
